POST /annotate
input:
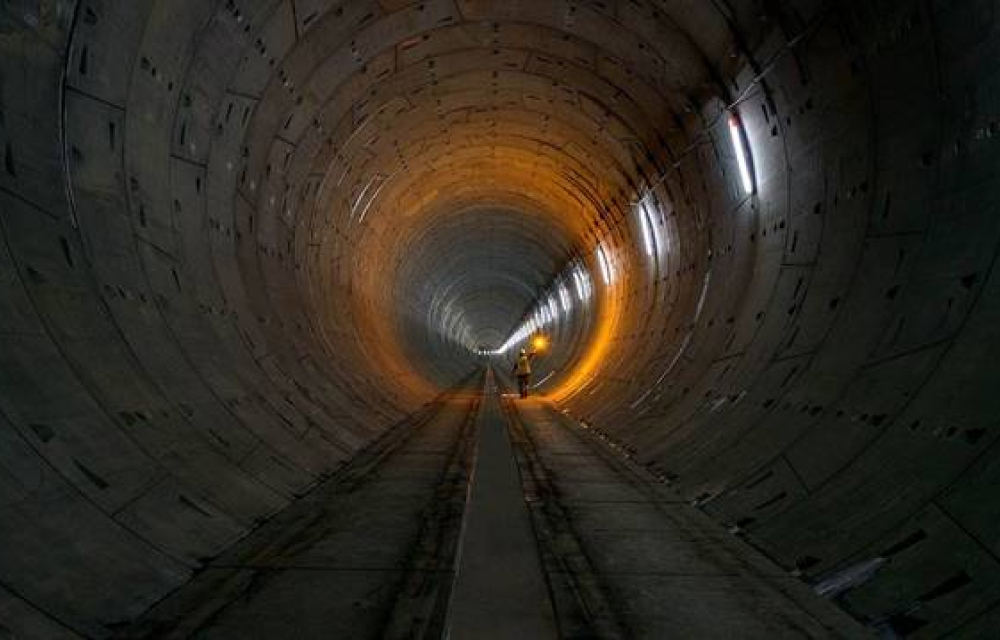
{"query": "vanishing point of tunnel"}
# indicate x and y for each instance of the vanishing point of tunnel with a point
(273, 274)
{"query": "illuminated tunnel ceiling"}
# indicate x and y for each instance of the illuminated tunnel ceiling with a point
(242, 238)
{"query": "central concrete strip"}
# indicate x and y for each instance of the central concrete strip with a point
(499, 590)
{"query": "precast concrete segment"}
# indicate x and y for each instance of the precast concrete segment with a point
(500, 591)
(369, 554)
(669, 571)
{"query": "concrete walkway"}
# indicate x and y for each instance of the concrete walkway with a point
(360, 557)
(499, 591)
(665, 569)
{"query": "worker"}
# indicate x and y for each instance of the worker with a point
(522, 370)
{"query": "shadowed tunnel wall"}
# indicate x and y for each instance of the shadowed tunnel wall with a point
(242, 238)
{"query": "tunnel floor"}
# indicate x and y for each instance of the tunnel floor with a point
(489, 517)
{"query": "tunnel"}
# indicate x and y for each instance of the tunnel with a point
(267, 268)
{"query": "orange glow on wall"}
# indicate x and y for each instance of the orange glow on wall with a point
(608, 309)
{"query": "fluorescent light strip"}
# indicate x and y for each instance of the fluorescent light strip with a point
(580, 292)
(547, 311)
(742, 153)
(647, 229)
(602, 259)
(567, 303)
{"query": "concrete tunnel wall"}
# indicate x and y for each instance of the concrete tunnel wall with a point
(238, 241)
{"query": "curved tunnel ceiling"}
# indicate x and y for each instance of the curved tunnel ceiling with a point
(243, 238)
(465, 281)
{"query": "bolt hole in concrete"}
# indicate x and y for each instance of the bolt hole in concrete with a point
(257, 258)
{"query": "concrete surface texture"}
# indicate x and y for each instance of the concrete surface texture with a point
(246, 242)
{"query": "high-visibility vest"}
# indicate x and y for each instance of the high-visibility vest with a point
(523, 366)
